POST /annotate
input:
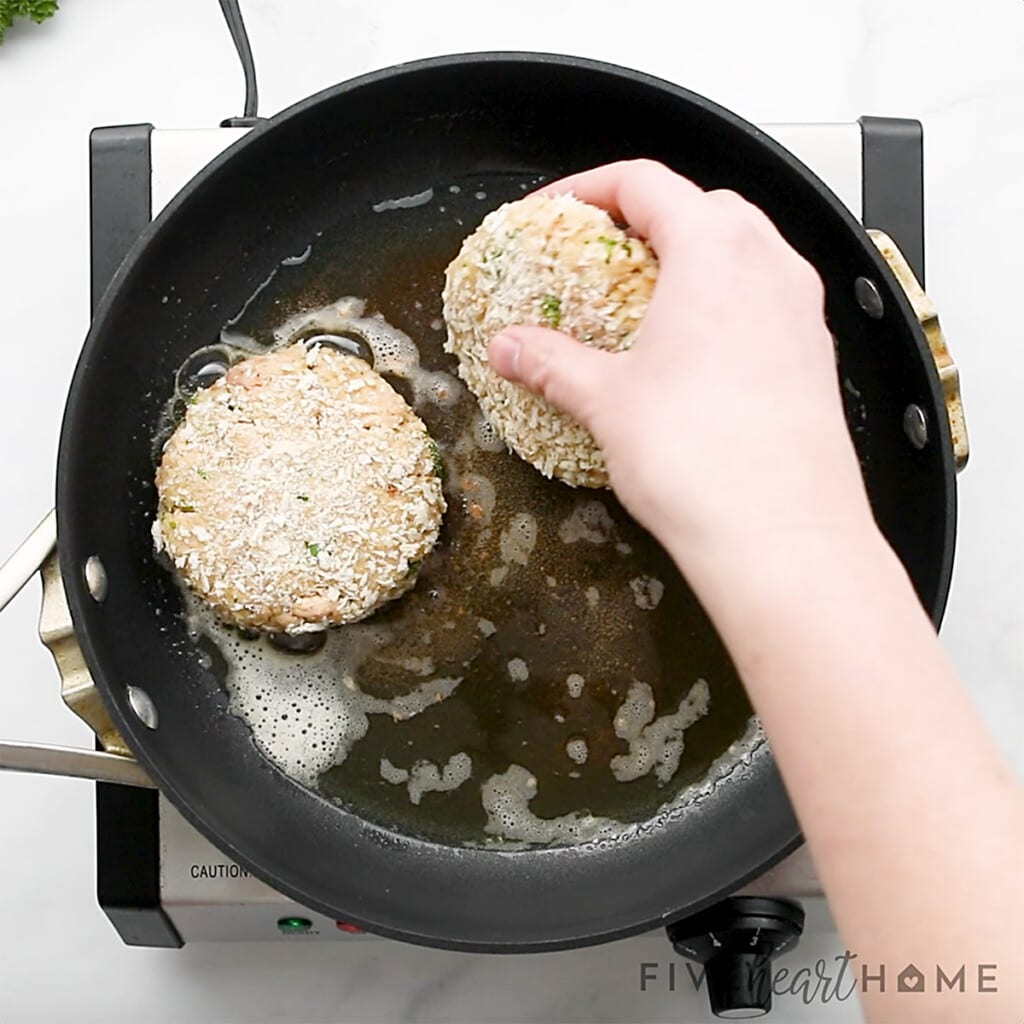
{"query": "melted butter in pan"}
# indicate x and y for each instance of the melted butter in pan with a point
(551, 678)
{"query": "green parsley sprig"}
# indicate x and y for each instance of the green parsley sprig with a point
(37, 10)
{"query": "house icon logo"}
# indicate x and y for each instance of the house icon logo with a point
(910, 979)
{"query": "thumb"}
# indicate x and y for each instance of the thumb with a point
(566, 372)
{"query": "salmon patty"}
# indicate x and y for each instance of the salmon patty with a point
(298, 492)
(554, 262)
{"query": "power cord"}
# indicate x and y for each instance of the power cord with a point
(236, 26)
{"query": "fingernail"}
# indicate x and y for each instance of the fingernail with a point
(503, 353)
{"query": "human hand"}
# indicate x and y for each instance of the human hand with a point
(723, 427)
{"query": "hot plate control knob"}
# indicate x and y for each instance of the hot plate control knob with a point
(736, 941)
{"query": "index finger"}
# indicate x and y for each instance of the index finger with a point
(645, 194)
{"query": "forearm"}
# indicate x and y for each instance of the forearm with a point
(915, 823)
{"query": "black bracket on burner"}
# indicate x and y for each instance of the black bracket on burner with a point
(127, 819)
(892, 198)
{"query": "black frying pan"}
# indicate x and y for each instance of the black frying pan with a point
(390, 134)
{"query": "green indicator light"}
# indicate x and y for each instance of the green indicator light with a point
(294, 925)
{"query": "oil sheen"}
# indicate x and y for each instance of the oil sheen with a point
(551, 678)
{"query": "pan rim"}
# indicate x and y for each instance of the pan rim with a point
(787, 837)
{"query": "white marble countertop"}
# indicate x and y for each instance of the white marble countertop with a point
(957, 68)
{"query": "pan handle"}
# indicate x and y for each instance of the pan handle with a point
(44, 759)
(28, 559)
(37, 553)
(928, 318)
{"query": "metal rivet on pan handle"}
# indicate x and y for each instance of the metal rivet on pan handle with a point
(924, 310)
(869, 298)
(38, 553)
(96, 578)
(915, 425)
(142, 704)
